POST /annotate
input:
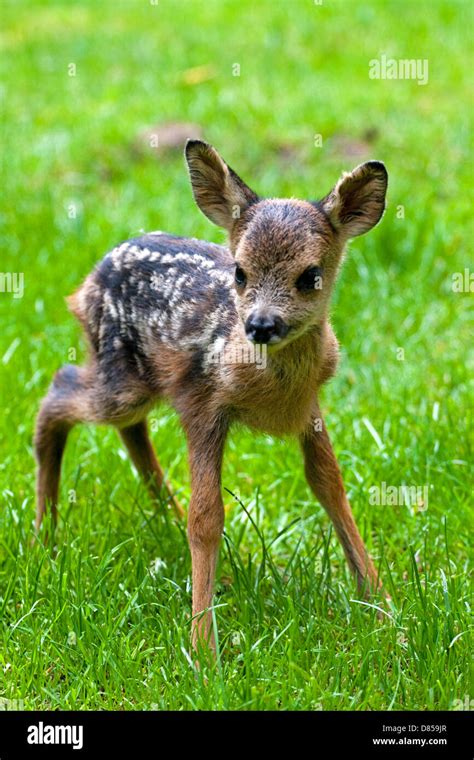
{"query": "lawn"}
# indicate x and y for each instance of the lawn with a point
(100, 618)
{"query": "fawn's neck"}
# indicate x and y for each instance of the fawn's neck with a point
(276, 393)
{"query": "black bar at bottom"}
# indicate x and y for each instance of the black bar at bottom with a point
(376, 734)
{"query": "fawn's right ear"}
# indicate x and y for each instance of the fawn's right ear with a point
(220, 194)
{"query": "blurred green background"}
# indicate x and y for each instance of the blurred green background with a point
(104, 623)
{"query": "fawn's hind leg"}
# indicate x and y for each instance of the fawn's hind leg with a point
(67, 402)
(141, 451)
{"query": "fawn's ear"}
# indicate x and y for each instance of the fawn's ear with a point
(357, 202)
(218, 191)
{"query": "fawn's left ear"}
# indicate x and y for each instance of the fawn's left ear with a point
(357, 202)
(218, 191)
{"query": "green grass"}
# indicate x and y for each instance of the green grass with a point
(102, 623)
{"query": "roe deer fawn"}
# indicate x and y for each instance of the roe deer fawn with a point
(159, 309)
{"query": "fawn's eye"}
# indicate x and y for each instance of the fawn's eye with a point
(310, 279)
(240, 276)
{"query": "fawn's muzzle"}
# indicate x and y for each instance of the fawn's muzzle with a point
(265, 328)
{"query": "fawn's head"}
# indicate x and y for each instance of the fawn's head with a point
(286, 251)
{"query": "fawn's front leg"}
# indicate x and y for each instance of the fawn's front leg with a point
(324, 477)
(205, 522)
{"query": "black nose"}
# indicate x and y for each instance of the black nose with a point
(262, 328)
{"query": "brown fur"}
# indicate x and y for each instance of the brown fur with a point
(276, 243)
